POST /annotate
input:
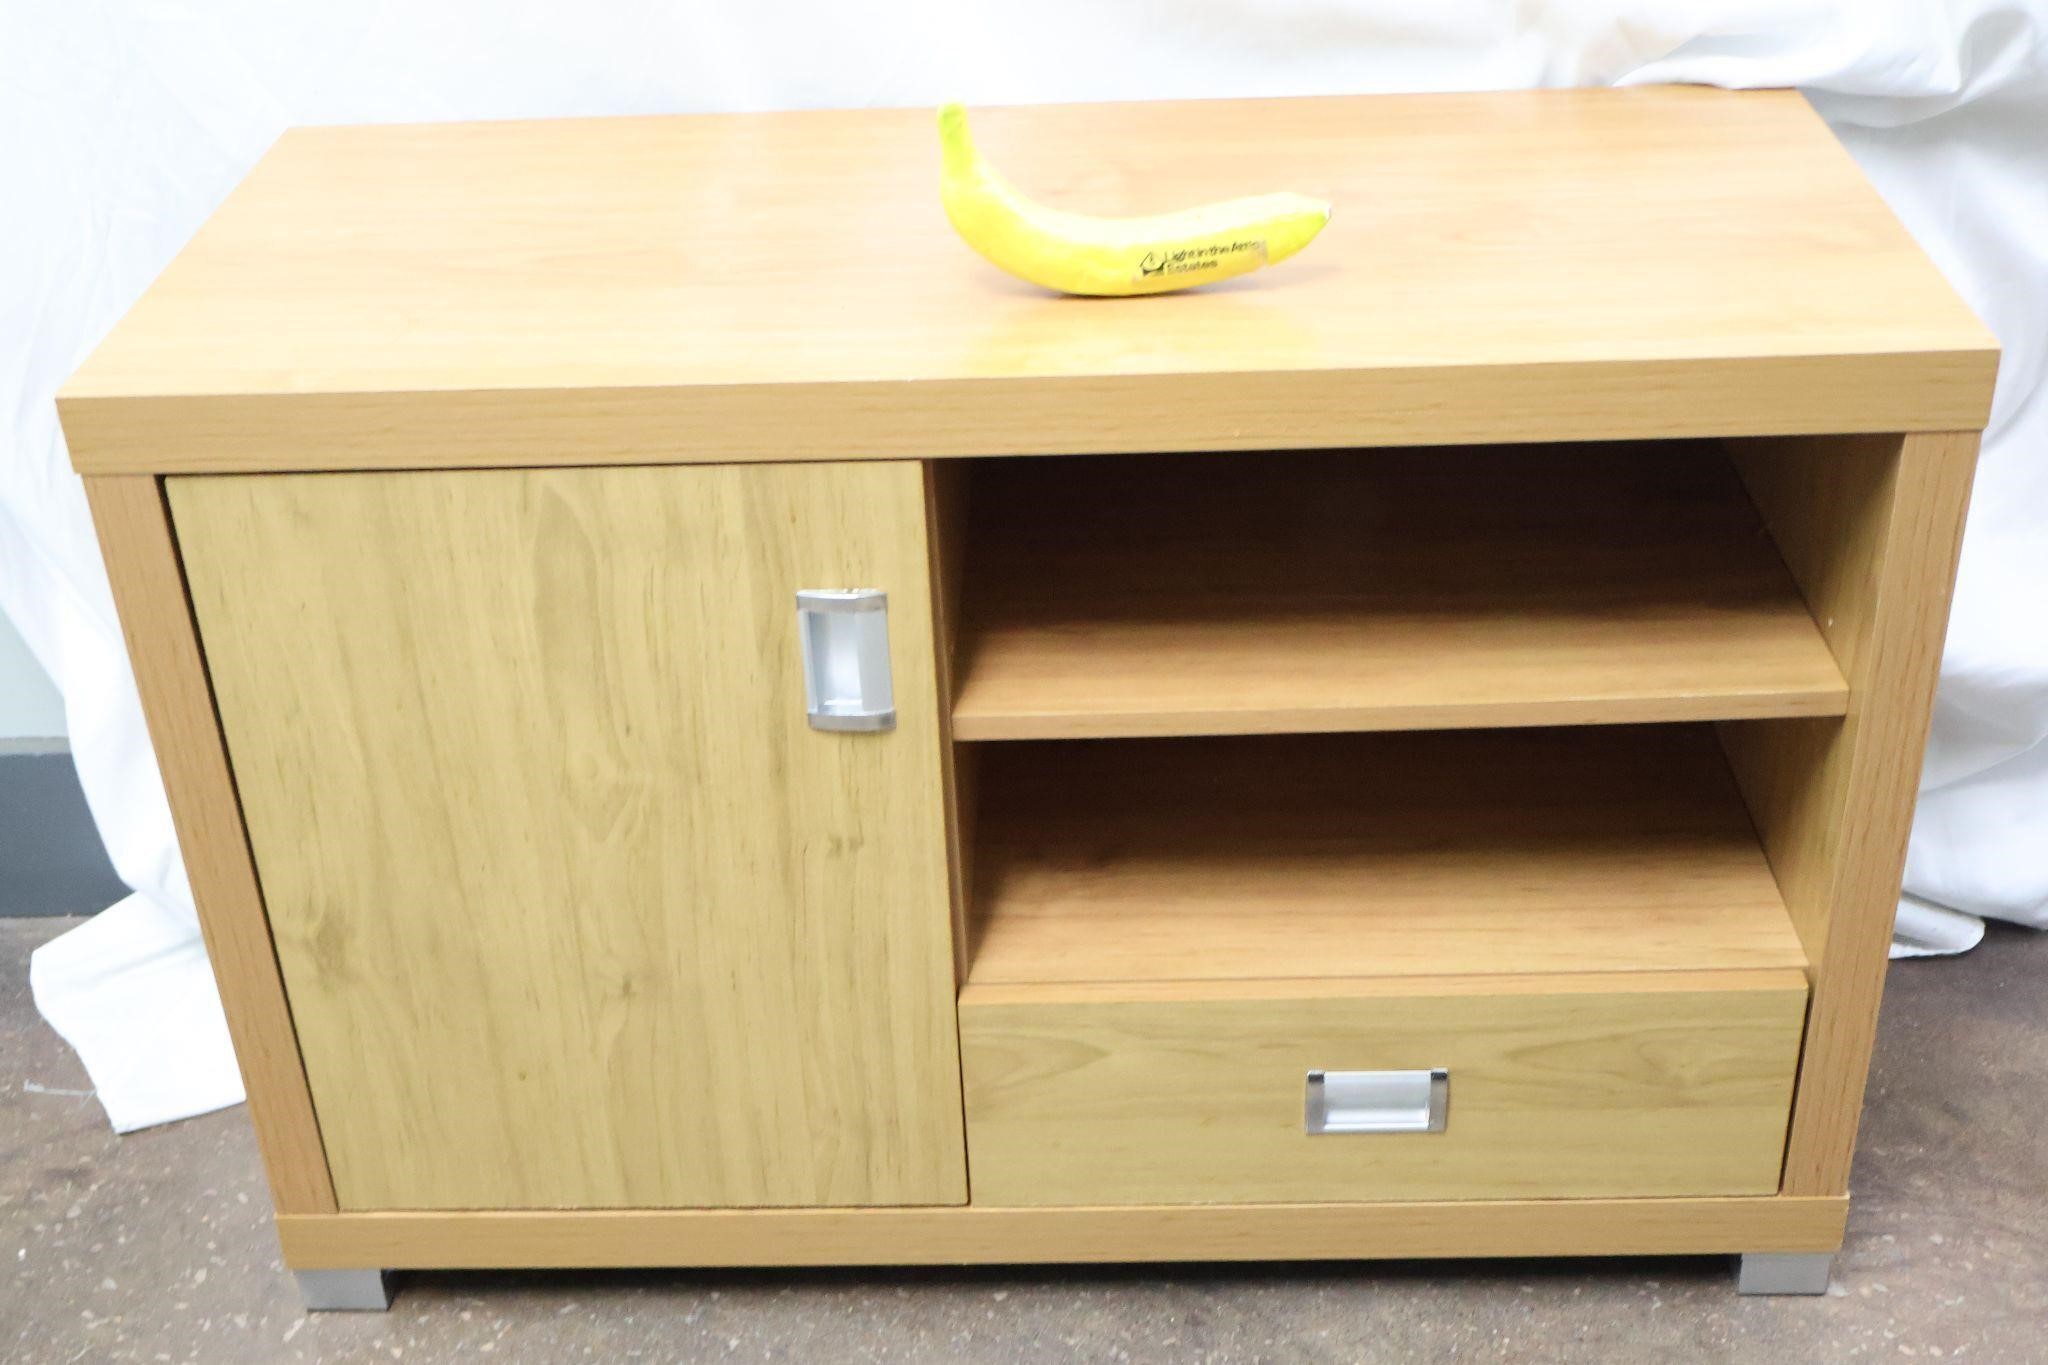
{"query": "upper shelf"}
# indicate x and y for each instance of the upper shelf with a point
(1375, 591)
(1527, 265)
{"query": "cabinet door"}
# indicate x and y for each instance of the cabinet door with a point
(573, 907)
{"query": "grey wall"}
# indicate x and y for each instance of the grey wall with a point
(30, 708)
(51, 860)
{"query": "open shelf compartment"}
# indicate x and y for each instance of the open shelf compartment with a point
(1445, 854)
(1117, 596)
(1567, 938)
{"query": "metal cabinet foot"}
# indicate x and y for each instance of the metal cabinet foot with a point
(1776, 1272)
(363, 1291)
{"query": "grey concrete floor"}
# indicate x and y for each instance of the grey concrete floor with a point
(158, 1247)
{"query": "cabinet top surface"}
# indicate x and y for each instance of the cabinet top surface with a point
(788, 273)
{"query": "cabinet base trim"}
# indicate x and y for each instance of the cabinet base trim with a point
(970, 1235)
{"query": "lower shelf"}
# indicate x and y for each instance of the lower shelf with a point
(1438, 854)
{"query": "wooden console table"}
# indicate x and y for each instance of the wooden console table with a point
(1407, 754)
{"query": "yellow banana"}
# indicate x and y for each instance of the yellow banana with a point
(1078, 254)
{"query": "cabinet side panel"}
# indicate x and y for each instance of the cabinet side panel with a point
(141, 554)
(574, 908)
(1870, 527)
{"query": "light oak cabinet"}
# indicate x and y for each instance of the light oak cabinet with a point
(1406, 755)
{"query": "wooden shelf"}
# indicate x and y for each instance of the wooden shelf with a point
(1476, 852)
(1534, 585)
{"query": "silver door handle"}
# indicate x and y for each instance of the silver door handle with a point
(844, 634)
(1378, 1101)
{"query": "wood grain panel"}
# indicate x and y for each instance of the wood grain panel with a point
(573, 907)
(1602, 849)
(1632, 1090)
(1871, 527)
(1527, 265)
(1161, 595)
(141, 553)
(984, 1236)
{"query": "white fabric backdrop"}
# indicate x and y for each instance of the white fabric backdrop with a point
(123, 123)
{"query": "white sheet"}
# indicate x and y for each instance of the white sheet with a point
(131, 991)
(123, 123)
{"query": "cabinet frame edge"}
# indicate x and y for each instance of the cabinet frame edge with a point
(139, 542)
(1871, 528)
(983, 1235)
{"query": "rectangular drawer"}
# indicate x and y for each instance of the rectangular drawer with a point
(1659, 1083)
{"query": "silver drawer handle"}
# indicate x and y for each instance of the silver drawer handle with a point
(1378, 1101)
(845, 637)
